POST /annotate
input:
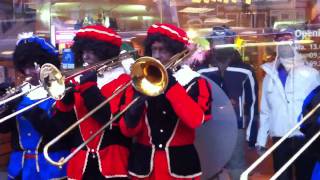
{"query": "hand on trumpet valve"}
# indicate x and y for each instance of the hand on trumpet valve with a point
(90, 76)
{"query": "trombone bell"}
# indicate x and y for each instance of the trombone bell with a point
(52, 81)
(149, 76)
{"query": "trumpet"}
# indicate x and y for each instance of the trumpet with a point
(53, 81)
(149, 77)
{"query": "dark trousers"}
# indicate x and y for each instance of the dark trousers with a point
(92, 171)
(302, 166)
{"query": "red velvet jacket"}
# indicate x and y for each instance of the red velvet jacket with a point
(168, 125)
(111, 146)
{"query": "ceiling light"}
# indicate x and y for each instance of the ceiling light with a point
(272, 43)
(249, 32)
(7, 52)
(217, 20)
(147, 18)
(196, 10)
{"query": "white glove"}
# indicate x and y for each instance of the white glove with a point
(185, 75)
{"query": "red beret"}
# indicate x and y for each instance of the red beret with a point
(170, 31)
(100, 33)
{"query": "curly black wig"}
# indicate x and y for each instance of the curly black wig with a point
(101, 49)
(26, 54)
(171, 45)
(220, 55)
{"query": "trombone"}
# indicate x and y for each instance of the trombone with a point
(245, 174)
(52, 80)
(47, 72)
(149, 77)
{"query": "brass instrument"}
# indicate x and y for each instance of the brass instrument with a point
(53, 81)
(100, 67)
(149, 77)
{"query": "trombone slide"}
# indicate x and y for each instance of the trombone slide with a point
(23, 110)
(61, 162)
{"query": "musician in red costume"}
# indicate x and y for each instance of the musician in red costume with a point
(164, 126)
(106, 156)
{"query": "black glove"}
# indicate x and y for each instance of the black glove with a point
(9, 107)
(13, 104)
(172, 80)
(35, 113)
(133, 114)
(90, 76)
(40, 119)
(69, 95)
(92, 98)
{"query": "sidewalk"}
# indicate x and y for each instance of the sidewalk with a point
(265, 170)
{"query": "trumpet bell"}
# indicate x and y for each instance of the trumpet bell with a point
(52, 81)
(149, 76)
